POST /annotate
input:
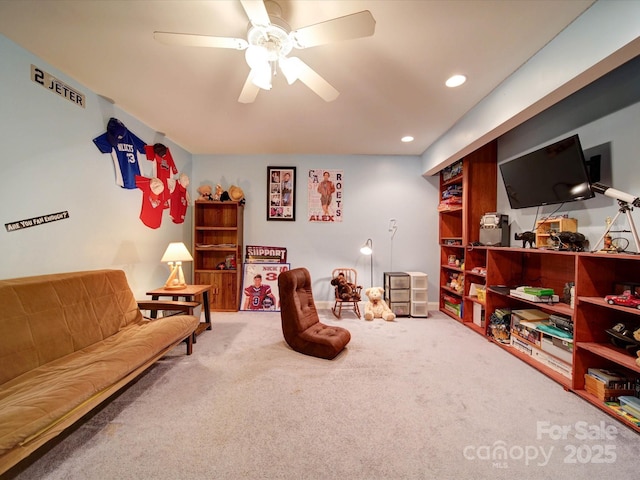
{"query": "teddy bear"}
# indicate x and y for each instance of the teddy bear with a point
(376, 307)
(205, 192)
(346, 291)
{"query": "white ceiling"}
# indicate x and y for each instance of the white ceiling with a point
(391, 84)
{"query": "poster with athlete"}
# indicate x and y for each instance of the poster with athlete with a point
(260, 286)
(325, 195)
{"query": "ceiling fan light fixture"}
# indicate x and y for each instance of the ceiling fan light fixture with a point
(291, 68)
(261, 76)
(256, 56)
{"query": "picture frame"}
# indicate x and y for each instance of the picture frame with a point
(281, 193)
(260, 286)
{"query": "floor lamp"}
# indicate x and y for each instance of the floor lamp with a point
(393, 228)
(367, 249)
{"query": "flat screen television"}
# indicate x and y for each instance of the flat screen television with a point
(553, 174)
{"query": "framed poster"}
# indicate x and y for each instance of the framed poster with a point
(324, 188)
(260, 286)
(281, 193)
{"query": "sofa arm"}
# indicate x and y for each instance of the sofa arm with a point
(173, 306)
(169, 305)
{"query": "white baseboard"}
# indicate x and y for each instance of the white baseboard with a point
(327, 305)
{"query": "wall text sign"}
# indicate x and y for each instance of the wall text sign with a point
(51, 83)
(32, 222)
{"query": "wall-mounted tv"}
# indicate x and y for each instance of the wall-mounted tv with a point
(553, 174)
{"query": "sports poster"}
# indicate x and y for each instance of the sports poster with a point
(260, 286)
(325, 195)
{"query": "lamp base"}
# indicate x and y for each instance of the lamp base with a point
(176, 278)
(175, 287)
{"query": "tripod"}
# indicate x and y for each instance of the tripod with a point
(626, 209)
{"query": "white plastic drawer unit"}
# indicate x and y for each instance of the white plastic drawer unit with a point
(418, 279)
(421, 295)
(396, 295)
(401, 309)
(396, 280)
(419, 309)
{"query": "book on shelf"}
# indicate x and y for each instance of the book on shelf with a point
(215, 245)
(630, 404)
(611, 378)
(615, 406)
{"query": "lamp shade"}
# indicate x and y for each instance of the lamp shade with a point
(176, 252)
(367, 248)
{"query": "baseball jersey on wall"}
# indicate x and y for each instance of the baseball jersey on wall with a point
(152, 203)
(124, 147)
(163, 161)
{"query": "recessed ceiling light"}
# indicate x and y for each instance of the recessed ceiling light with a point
(407, 138)
(455, 81)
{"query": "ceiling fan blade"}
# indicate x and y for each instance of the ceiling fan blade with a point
(315, 82)
(356, 25)
(249, 91)
(192, 40)
(257, 12)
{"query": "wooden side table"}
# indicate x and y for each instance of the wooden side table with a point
(188, 294)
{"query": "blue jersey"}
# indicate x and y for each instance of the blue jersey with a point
(124, 147)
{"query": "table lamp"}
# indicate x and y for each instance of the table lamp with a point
(174, 255)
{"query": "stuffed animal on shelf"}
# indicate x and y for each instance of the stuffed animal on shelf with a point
(218, 194)
(346, 291)
(205, 192)
(376, 307)
(636, 335)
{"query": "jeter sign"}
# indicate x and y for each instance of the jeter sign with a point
(51, 83)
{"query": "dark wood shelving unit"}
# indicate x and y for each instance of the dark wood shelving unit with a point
(217, 236)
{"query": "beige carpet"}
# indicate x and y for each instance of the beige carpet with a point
(412, 399)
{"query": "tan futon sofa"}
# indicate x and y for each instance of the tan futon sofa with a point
(67, 342)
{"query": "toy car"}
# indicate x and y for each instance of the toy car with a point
(626, 299)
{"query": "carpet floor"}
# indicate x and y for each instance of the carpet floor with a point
(419, 398)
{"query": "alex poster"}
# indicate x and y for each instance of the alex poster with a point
(260, 286)
(325, 195)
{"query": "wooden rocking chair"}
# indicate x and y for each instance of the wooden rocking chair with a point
(341, 298)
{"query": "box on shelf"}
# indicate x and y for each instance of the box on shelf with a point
(520, 293)
(564, 354)
(478, 315)
(598, 389)
(539, 291)
(477, 290)
(630, 404)
(524, 323)
(612, 378)
(553, 363)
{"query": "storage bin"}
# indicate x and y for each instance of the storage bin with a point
(399, 295)
(401, 309)
(397, 280)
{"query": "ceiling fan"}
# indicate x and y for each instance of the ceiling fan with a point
(269, 42)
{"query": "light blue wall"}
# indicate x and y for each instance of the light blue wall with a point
(606, 116)
(602, 38)
(50, 164)
(376, 189)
